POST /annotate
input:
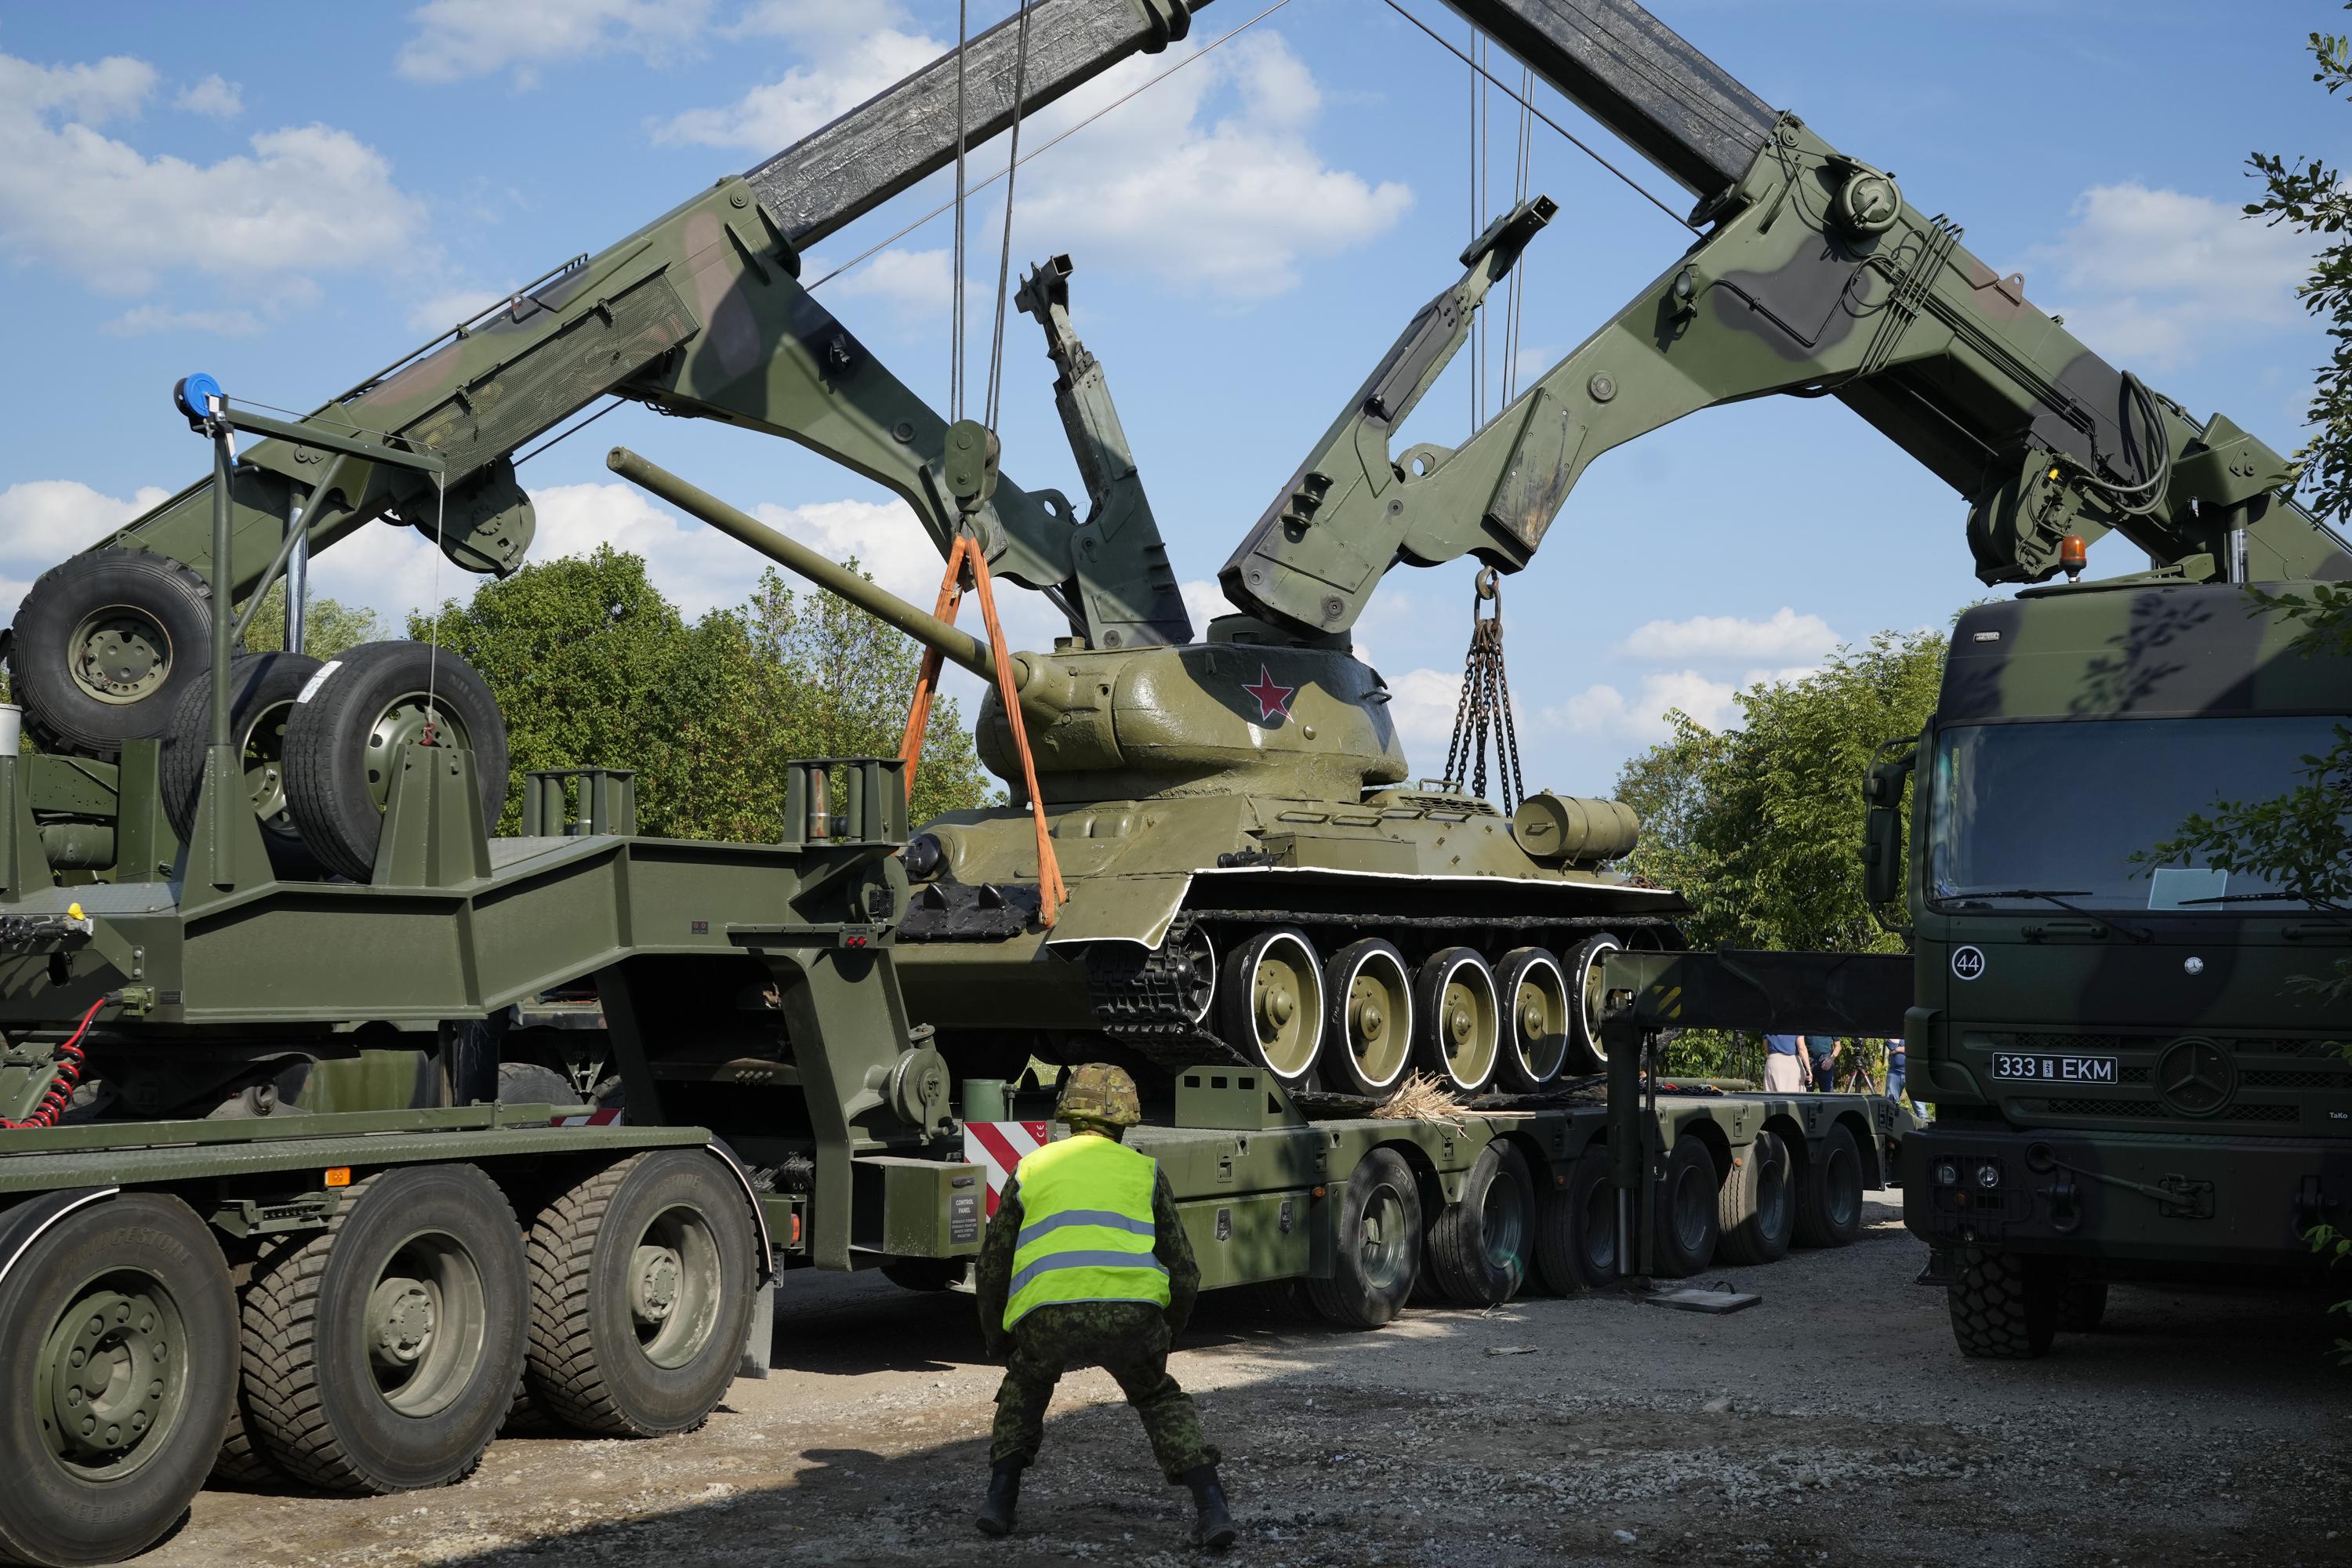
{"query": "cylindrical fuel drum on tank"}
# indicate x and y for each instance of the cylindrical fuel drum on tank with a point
(1577, 828)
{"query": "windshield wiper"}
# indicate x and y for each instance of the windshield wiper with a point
(2059, 897)
(2307, 900)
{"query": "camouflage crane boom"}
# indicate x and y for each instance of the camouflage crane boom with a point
(699, 312)
(1813, 275)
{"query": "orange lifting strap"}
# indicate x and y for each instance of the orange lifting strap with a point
(1051, 894)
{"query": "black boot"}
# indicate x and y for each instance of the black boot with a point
(1212, 1527)
(1003, 1497)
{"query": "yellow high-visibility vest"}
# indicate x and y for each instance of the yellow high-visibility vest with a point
(1086, 1227)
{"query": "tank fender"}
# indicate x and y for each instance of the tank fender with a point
(726, 1157)
(24, 1223)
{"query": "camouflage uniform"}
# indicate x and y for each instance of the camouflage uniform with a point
(1128, 1339)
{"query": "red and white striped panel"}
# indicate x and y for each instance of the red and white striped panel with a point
(609, 1117)
(997, 1147)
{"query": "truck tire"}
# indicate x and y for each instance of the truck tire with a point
(1480, 1250)
(927, 1274)
(344, 741)
(262, 689)
(1536, 1013)
(2003, 1307)
(1376, 1245)
(1688, 1227)
(104, 645)
(1576, 1228)
(641, 1280)
(1759, 1204)
(535, 1083)
(381, 1353)
(107, 1433)
(2082, 1306)
(1587, 1053)
(1368, 1035)
(1829, 1192)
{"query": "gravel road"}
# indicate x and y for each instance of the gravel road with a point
(1833, 1424)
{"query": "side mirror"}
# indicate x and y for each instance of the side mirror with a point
(1882, 835)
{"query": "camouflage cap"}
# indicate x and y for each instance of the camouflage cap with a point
(1099, 1093)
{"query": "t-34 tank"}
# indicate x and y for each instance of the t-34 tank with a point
(1248, 869)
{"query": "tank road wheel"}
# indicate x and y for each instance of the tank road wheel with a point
(262, 689)
(342, 744)
(1536, 1022)
(1481, 1249)
(2082, 1306)
(2003, 1307)
(116, 1372)
(1687, 1217)
(1375, 1247)
(1829, 1192)
(1272, 1000)
(641, 1280)
(1371, 1023)
(1575, 1227)
(381, 1353)
(1460, 1023)
(1757, 1206)
(1587, 1053)
(105, 644)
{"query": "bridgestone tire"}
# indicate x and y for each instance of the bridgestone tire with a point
(1376, 1245)
(262, 689)
(1576, 1228)
(1481, 1249)
(929, 1275)
(1688, 1226)
(336, 759)
(170, 604)
(2003, 1307)
(1587, 1052)
(320, 1405)
(54, 1510)
(1759, 1204)
(2082, 1306)
(1829, 1192)
(596, 1361)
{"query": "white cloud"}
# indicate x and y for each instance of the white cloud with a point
(42, 521)
(1421, 703)
(911, 283)
(310, 198)
(2154, 277)
(772, 117)
(1605, 712)
(1786, 637)
(456, 39)
(1204, 600)
(444, 311)
(215, 96)
(152, 321)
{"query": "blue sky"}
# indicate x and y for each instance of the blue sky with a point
(295, 200)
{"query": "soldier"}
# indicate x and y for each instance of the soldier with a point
(1086, 1264)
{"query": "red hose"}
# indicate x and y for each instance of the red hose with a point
(62, 1087)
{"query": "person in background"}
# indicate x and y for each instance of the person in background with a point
(1823, 1049)
(1894, 1073)
(1784, 1071)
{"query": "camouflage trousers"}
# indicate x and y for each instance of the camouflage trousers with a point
(1126, 1339)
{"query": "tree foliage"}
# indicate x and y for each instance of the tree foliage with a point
(328, 627)
(592, 666)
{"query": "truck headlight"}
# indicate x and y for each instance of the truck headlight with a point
(1947, 1174)
(1987, 1175)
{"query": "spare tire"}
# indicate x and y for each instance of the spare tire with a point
(104, 645)
(344, 741)
(262, 689)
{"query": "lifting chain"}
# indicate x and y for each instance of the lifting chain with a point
(1485, 704)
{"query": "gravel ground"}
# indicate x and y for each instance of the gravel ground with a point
(1833, 1424)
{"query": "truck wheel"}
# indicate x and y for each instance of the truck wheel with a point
(1688, 1227)
(1576, 1228)
(1536, 1018)
(116, 1368)
(535, 1083)
(381, 1353)
(105, 642)
(1480, 1247)
(1757, 1206)
(262, 689)
(928, 1274)
(1453, 999)
(1587, 1053)
(2082, 1306)
(641, 1280)
(1368, 991)
(344, 740)
(1375, 1245)
(1829, 1192)
(1271, 996)
(2004, 1307)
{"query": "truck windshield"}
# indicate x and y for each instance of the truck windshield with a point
(2065, 806)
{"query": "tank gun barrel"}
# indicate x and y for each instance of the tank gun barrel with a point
(959, 647)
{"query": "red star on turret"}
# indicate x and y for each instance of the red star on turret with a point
(1273, 698)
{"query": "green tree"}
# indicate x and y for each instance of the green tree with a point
(328, 626)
